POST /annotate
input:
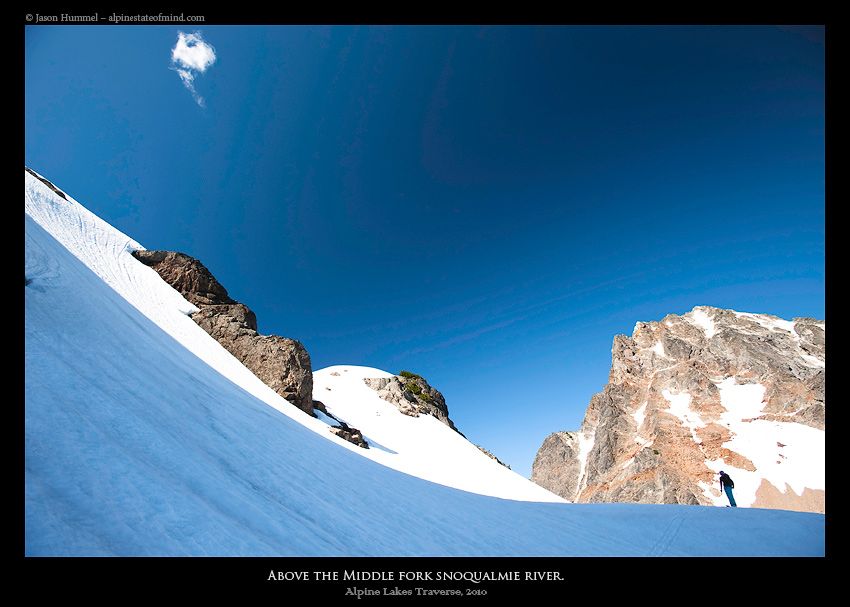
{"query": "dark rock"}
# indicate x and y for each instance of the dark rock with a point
(343, 430)
(352, 435)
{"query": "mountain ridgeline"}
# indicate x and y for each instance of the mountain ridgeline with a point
(659, 431)
(281, 363)
(147, 437)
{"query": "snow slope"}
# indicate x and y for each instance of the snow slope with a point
(422, 446)
(144, 437)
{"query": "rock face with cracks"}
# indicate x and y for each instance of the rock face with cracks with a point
(635, 446)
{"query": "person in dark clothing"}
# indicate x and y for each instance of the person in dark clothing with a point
(727, 485)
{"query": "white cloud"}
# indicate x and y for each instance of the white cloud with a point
(189, 57)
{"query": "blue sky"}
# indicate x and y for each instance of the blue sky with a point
(485, 206)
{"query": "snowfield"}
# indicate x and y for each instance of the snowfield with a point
(144, 437)
(421, 446)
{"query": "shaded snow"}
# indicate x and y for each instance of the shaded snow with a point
(143, 436)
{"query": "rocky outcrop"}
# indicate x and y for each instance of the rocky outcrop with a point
(412, 395)
(281, 363)
(493, 457)
(342, 430)
(661, 426)
(557, 466)
(56, 190)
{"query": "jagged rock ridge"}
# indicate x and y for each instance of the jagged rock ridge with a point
(280, 362)
(660, 428)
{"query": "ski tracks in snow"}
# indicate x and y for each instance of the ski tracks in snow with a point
(667, 537)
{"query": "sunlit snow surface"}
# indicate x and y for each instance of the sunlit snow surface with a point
(422, 446)
(144, 437)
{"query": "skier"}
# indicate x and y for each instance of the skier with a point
(727, 485)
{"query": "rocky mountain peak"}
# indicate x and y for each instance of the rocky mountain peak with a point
(676, 389)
